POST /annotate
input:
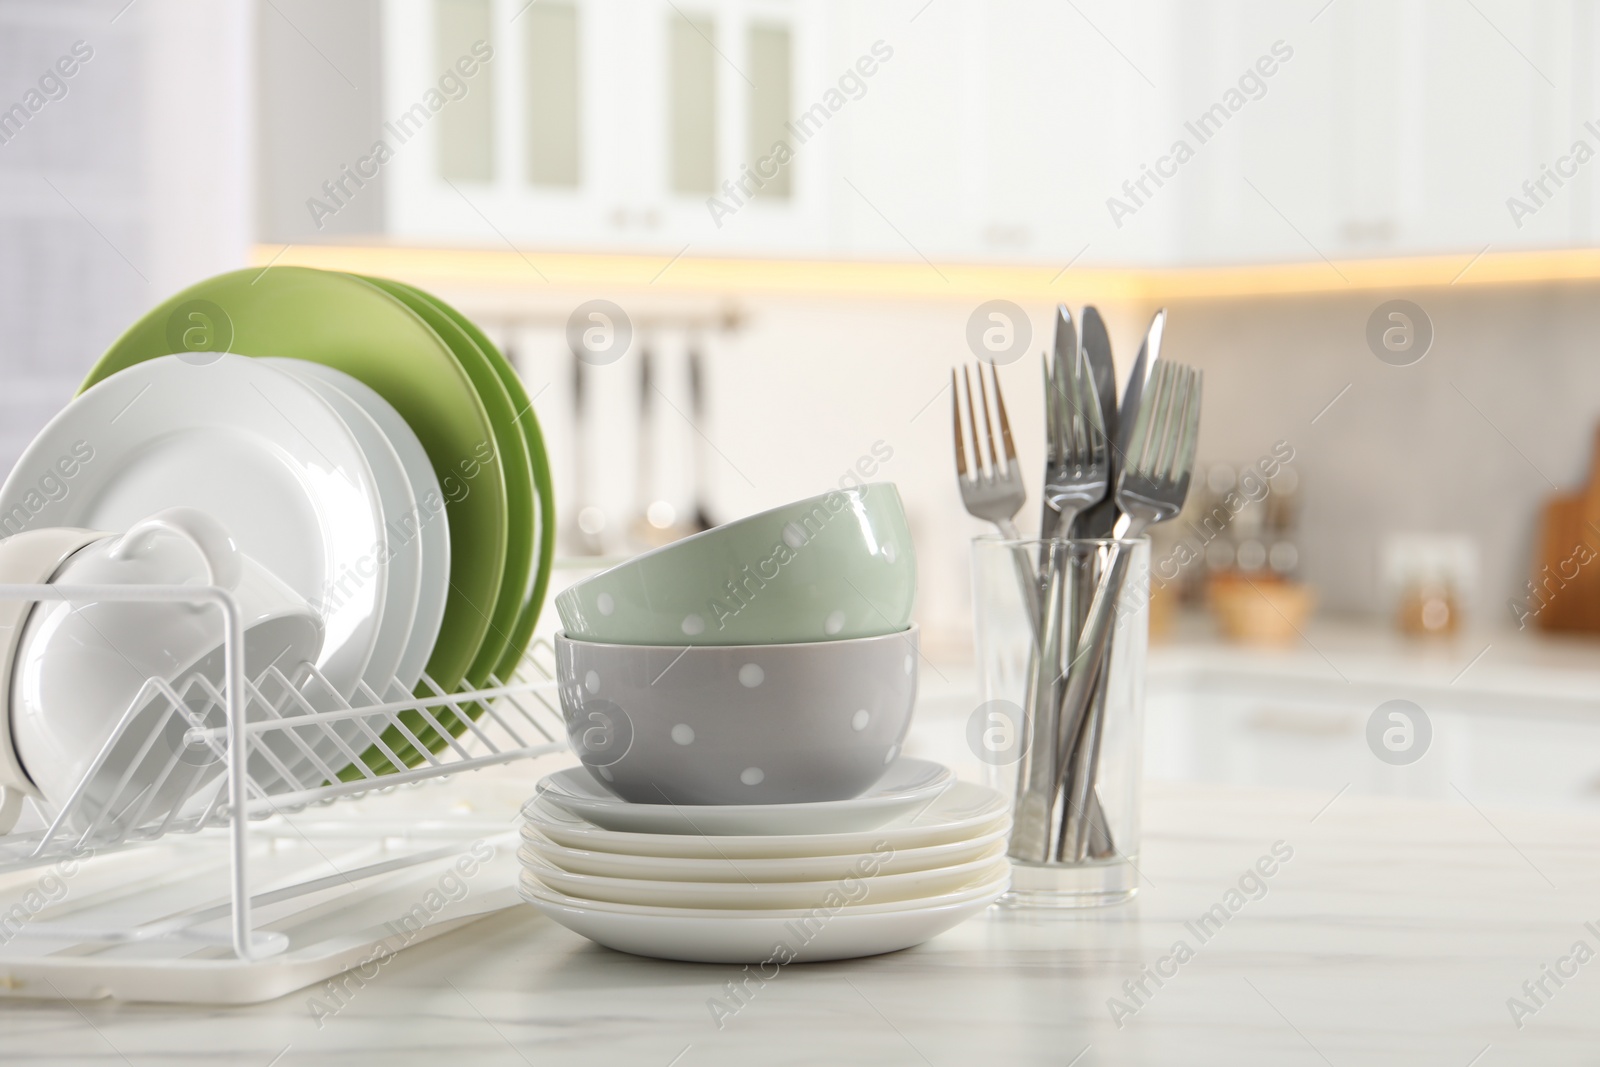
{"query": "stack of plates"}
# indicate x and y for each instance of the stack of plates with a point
(382, 459)
(766, 883)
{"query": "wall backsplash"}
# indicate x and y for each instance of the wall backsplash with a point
(1496, 417)
(1461, 443)
(1467, 442)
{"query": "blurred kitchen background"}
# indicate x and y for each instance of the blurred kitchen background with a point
(798, 215)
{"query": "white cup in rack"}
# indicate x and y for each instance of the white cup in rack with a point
(79, 667)
(27, 558)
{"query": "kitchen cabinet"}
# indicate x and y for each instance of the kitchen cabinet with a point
(1250, 131)
(1168, 135)
(604, 124)
(814, 129)
(1393, 129)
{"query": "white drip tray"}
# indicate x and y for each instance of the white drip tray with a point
(336, 888)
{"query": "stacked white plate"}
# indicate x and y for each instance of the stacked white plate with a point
(313, 475)
(766, 883)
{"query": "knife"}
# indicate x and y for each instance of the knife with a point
(1096, 521)
(1076, 723)
(1143, 369)
(1065, 358)
(1035, 812)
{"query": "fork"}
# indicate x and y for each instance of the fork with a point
(991, 491)
(1151, 489)
(1077, 470)
(1078, 464)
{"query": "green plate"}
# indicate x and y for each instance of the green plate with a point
(511, 458)
(528, 423)
(511, 450)
(346, 323)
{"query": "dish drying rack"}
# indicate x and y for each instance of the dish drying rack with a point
(328, 892)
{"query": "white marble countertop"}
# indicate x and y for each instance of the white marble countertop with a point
(1398, 932)
(1395, 933)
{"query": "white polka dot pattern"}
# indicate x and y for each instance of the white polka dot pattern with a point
(740, 724)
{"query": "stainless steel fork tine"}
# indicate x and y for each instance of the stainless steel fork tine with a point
(1191, 426)
(1172, 442)
(1071, 424)
(1144, 423)
(1170, 416)
(1169, 402)
(1088, 413)
(994, 494)
(988, 423)
(978, 468)
(955, 410)
(1005, 423)
(1180, 430)
(1187, 431)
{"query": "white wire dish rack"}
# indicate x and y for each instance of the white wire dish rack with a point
(202, 857)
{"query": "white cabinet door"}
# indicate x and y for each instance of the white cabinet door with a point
(1392, 129)
(1443, 110)
(1182, 134)
(1170, 133)
(739, 151)
(527, 151)
(624, 124)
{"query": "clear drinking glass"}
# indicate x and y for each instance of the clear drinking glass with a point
(1076, 799)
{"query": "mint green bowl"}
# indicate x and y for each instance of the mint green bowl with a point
(829, 568)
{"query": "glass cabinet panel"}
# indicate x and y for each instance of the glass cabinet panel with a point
(693, 104)
(550, 74)
(466, 122)
(770, 62)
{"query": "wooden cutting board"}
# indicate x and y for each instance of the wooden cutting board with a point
(1565, 592)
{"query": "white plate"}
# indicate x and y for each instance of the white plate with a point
(907, 785)
(245, 442)
(789, 869)
(963, 811)
(865, 883)
(425, 526)
(404, 557)
(767, 938)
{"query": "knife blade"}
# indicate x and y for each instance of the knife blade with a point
(1097, 520)
(1062, 364)
(1143, 368)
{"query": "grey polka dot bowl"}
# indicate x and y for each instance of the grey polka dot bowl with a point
(830, 568)
(757, 724)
